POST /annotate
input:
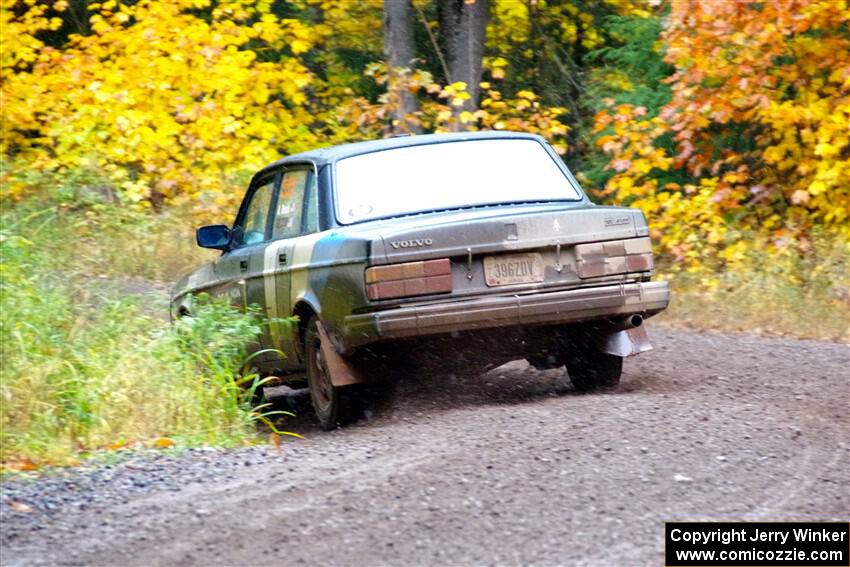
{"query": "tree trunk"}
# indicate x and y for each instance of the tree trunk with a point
(463, 24)
(398, 49)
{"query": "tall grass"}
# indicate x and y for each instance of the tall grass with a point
(87, 364)
(802, 290)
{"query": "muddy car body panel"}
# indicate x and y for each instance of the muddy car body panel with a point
(385, 260)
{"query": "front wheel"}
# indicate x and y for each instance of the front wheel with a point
(334, 406)
(590, 369)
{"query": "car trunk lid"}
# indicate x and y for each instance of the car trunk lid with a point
(461, 233)
(517, 251)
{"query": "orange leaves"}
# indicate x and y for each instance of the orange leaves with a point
(276, 441)
(773, 66)
(760, 124)
(24, 465)
(20, 507)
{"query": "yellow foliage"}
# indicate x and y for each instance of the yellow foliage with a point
(509, 22)
(439, 111)
(167, 105)
(177, 102)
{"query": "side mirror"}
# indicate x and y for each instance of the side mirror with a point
(215, 236)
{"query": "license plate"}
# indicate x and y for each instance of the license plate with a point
(513, 269)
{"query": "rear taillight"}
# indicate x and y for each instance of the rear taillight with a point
(639, 262)
(614, 257)
(409, 279)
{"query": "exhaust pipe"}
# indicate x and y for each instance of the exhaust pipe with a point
(627, 337)
(630, 322)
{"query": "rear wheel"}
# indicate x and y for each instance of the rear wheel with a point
(334, 406)
(591, 369)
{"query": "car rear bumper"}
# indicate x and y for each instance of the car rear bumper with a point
(570, 306)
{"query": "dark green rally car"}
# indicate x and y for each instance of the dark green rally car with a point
(481, 240)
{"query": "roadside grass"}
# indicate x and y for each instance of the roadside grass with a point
(87, 366)
(792, 294)
(759, 306)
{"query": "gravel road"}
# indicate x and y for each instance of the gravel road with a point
(512, 467)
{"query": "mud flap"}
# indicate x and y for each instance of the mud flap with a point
(343, 373)
(625, 343)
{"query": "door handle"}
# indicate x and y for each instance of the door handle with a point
(243, 265)
(281, 258)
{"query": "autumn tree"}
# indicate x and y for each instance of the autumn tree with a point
(166, 102)
(754, 144)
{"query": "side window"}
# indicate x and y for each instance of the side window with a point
(311, 223)
(253, 228)
(290, 204)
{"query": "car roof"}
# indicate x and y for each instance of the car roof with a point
(323, 156)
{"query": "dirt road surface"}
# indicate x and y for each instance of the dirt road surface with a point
(510, 468)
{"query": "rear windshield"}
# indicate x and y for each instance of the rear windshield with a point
(446, 176)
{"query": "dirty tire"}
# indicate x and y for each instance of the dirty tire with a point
(334, 406)
(590, 369)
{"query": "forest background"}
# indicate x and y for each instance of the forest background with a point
(127, 123)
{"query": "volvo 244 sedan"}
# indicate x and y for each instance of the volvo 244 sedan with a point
(460, 236)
